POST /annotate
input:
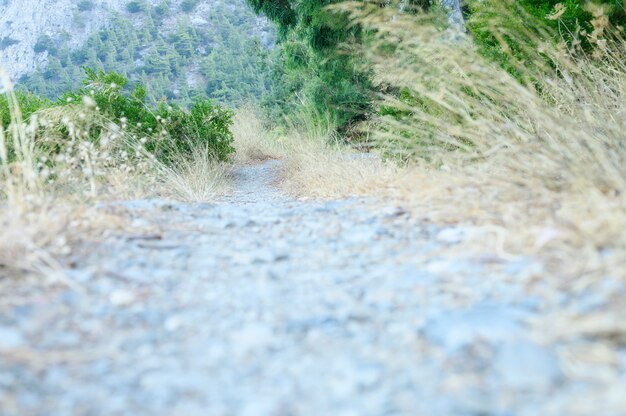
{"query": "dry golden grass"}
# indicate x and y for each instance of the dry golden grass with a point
(317, 169)
(36, 241)
(19, 178)
(253, 143)
(197, 179)
(314, 165)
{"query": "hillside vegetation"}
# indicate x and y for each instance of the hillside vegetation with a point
(323, 64)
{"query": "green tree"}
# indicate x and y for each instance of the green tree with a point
(45, 43)
(163, 8)
(310, 62)
(183, 43)
(54, 69)
(161, 57)
(86, 5)
(135, 6)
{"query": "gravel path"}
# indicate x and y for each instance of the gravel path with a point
(265, 305)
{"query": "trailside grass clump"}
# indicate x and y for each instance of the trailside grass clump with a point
(194, 177)
(319, 164)
(537, 147)
(253, 140)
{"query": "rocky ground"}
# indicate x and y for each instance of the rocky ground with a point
(261, 304)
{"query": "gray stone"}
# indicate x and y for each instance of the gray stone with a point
(453, 235)
(525, 365)
(489, 324)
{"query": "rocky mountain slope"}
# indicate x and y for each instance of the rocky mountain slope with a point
(180, 48)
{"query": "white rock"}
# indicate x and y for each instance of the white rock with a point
(452, 235)
(121, 298)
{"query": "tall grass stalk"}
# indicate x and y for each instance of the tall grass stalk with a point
(20, 175)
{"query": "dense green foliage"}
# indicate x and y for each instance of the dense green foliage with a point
(311, 67)
(576, 12)
(205, 125)
(571, 19)
(168, 131)
(159, 47)
(28, 103)
(314, 68)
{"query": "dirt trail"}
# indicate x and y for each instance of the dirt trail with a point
(261, 304)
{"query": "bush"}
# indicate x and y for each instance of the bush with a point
(135, 6)
(168, 130)
(207, 124)
(188, 5)
(86, 5)
(27, 104)
(45, 43)
(85, 142)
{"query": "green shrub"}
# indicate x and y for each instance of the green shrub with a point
(45, 43)
(135, 6)
(86, 5)
(206, 124)
(28, 103)
(188, 5)
(312, 65)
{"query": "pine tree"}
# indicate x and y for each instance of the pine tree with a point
(53, 69)
(184, 43)
(310, 36)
